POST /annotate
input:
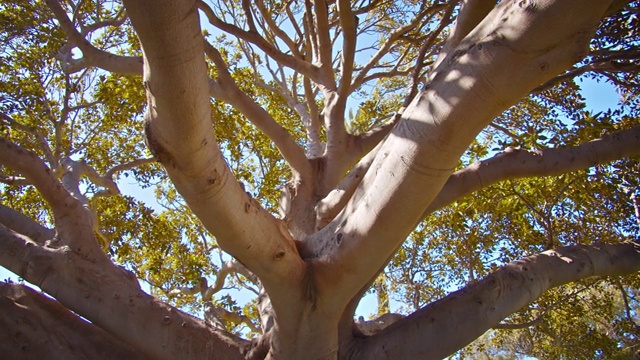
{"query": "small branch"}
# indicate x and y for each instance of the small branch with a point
(277, 30)
(92, 56)
(42, 142)
(625, 299)
(505, 131)
(349, 24)
(35, 171)
(14, 180)
(363, 75)
(419, 63)
(229, 92)
(218, 316)
(227, 268)
(636, 207)
(606, 64)
(128, 166)
(115, 22)
(295, 63)
(323, 45)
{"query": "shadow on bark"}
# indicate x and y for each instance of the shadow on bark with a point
(33, 326)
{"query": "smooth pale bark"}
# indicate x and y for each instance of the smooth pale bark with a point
(33, 326)
(516, 47)
(472, 12)
(447, 325)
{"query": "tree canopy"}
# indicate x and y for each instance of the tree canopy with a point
(437, 156)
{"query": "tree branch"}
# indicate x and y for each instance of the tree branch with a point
(539, 318)
(434, 331)
(73, 221)
(391, 39)
(297, 64)
(329, 207)
(229, 92)
(42, 142)
(92, 56)
(24, 225)
(278, 31)
(349, 24)
(606, 64)
(28, 318)
(517, 163)
(465, 93)
(110, 297)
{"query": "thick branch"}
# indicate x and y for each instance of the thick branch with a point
(334, 202)
(470, 15)
(447, 325)
(28, 318)
(180, 135)
(111, 299)
(24, 225)
(517, 163)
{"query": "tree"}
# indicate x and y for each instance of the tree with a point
(469, 161)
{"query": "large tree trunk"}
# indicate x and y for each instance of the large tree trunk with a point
(314, 282)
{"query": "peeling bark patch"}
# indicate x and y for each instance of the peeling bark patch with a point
(158, 151)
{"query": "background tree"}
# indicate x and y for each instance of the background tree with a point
(311, 152)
